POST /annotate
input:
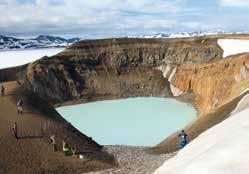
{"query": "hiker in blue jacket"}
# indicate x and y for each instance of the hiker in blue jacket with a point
(183, 139)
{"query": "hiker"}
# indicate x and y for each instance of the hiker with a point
(2, 90)
(183, 139)
(65, 148)
(73, 150)
(14, 130)
(53, 142)
(19, 106)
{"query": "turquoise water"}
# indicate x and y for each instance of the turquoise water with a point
(133, 121)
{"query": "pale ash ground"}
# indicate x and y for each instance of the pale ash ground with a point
(223, 149)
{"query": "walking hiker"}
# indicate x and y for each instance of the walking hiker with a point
(53, 142)
(65, 148)
(2, 90)
(14, 130)
(73, 150)
(19, 106)
(183, 139)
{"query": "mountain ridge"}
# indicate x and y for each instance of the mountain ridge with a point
(48, 41)
(186, 34)
(41, 41)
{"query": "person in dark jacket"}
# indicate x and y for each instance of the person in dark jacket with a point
(2, 90)
(182, 139)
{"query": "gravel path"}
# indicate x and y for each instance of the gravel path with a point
(134, 160)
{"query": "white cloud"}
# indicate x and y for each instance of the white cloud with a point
(235, 3)
(66, 14)
(107, 17)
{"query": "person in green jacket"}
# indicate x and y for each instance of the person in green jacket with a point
(65, 148)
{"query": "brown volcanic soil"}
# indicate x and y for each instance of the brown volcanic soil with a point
(32, 153)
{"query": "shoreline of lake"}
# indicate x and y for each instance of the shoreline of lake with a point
(130, 119)
(134, 160)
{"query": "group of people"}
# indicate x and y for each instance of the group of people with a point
(19, 111)
(65, 147)
(14, 127)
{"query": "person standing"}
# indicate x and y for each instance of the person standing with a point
(53, 142)
(19, 106)
(2, 90)
(65, 148)
(14, 130)
(183, 139)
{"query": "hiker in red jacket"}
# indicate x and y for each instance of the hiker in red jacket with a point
(14, 130)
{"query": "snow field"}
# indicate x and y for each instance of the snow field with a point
(233, 46)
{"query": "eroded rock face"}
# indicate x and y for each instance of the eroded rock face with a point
(214, 84)
(116, 68)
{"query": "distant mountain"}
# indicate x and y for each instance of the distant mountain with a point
(184, 34)
(43, 41)
(11, 43)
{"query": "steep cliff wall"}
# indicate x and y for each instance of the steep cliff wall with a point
(214, 84)
(116, 68)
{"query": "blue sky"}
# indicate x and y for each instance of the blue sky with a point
(110, 18)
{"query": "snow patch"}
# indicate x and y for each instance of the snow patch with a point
(181, 34)
(223, 149)
(16, 58)
(243, 104)
(233, 46)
